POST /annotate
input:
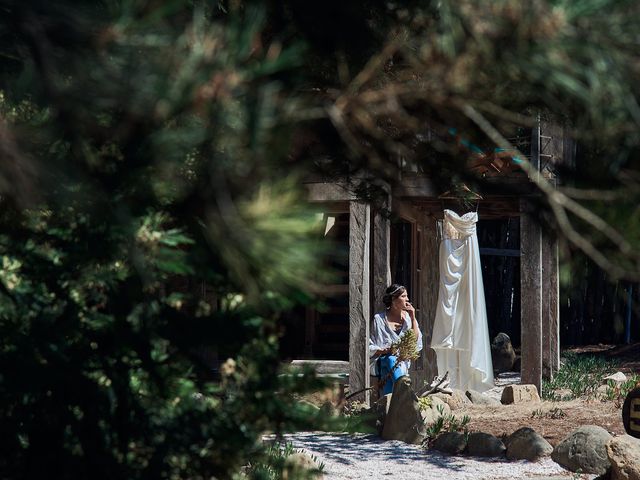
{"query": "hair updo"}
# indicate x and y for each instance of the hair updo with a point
(391, 293)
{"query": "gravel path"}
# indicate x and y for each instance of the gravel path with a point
(361, 456)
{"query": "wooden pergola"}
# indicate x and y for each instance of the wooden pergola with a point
(416, 200)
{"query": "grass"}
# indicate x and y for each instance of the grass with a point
(553, 413)
(617, 392)
(579, 376)
(447, 423)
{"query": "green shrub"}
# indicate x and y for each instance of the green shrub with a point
(581, 375)
(273, 464)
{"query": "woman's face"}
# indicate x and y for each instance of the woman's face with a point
(401, 301)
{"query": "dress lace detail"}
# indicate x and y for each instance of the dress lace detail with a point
(455, 227)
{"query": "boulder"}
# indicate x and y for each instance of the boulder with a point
(482, 444)
(431, 414)
(381, 407)
(382, 404)
(563, 394)
(520, 394)
(456, 400)
(300, 465)
(502, 354)
(526, 444)
(617, 377)
(478, 398)
(602, 390)
(584, 450)
(404, 420)
(452, 443)
(624, 455)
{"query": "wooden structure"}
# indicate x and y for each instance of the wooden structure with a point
(408, 248)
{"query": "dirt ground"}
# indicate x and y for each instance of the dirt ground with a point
(554, 420)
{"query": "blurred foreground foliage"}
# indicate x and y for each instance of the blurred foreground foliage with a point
(149, 220)
(151, 211)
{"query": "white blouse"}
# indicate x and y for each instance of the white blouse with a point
(382, 335)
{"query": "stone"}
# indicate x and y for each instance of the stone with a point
(452, 443)
(383, 403)
(404, 420)
(437, 409)
(438, 405)
(482, 444)
(601, 391)
(381, 408)
(456, 400)
(300, 465)
(563, 394)
(502, 354)
(517, 394)
(617, 377)
(624, 454)
(584, 450)
(478, 398)
(527, 444)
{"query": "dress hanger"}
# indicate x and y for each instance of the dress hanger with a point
(463, 195)
(466, 194)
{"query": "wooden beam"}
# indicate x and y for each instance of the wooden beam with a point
(550, 307)
(329, 192)
(416, 185)
(359, 301)
(530, 298)
(500, 252)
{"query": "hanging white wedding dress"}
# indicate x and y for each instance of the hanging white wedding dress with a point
(460, 331)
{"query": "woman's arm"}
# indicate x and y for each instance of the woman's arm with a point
(376, 345)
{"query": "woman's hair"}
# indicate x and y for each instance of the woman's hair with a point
(392, 292)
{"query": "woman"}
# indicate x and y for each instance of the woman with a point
(388, 326)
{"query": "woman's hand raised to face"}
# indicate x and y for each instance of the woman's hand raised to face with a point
(409, 309)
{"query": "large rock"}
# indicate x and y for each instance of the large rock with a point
(617, 377)
(457, 399)
(482, 444)
(502, 353)
(520, 394)
(452, 443)
(437, 409)
(624, 455)
(478, 398)
(381, 408)
(404, 419)
(526, 444)
(301, 465)
(584, 450)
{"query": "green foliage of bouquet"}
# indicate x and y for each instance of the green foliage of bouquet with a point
(406, 347)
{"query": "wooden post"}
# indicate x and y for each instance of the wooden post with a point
(359, 301)
(381, 258)
(553, 151)
(550, 307)
(530, 298)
